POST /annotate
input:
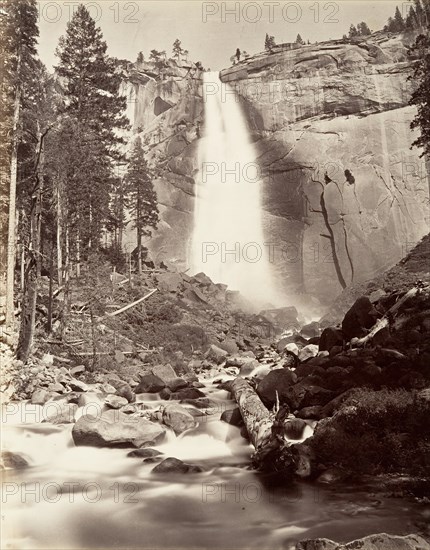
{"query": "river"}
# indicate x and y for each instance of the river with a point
(83, 497)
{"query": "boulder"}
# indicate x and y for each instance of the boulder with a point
(330, 337)
(177, 384)
(229, 345)
(187, 393)
(144, 453)
(216, 354)
(247, 368)
(175, 466)
(311, 350)
(293, 347)
(178, 418)
(39, 397)
(278, 380)
(311, 330)
(294, 428)
(164, 372)
(232, 417)
(150, 383)
(78, 385)
(59, 412)
(115, 401)
(169, 281)
(79, 369)
(304, 394)
(12, 460)
(116, 429)
(122, 388)
(359, 318)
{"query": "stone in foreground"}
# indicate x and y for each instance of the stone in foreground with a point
(116, 429)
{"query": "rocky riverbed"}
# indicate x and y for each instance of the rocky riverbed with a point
(158, 438)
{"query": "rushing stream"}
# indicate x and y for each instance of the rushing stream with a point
(84, 497)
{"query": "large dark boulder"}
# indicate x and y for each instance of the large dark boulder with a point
(359, 318)
(330, 337)
(150, 383)
(278, 380)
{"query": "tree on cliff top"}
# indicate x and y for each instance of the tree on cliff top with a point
(177, 50)
(421, 96)
(299, 40)
(141, 197)
(269, 42)
(353, 32)
(363, 29)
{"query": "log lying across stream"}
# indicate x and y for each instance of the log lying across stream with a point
(266, 430)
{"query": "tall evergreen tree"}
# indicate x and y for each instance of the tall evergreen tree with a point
(141, 197)
(18, 40)
(398, 21)
(363, 29)
(299, 40)
(91, 87)
(421, 96)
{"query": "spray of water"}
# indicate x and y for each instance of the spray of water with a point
(228, 242)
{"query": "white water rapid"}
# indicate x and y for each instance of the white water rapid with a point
(228, 242)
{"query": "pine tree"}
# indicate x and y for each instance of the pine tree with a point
(177, 49)
(140, 58)
(91, 87)
(141, 197)
(269, 42)
(18, 35)
(353, 32)
(421, 96)
(299, 40)
(398, 21)
(411, 19)
(363, 29)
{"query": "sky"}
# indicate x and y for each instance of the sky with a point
(210, 30)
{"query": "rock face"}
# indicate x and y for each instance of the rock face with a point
(168, 110)
(343, 194)
(381, 541)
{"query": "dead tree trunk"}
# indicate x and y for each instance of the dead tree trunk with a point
(11, 241)
(266, 430)
(33, 267)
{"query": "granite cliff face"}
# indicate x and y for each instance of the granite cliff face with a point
(344, 197)
(168, 113)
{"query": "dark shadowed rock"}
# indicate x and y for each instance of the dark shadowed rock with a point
(187, 393)
(12, 460)
(294, 428)
(177, 384)
(359, 318)
(278, 380)
(232, 417)
(122, 388)
(330, 337)
(116, 429)
(150, 383)
(144, 453)
(175, 466)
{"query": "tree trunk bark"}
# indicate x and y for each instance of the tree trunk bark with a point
(33, 268)
(59, 237)
(266, 430)
(139, 251)
(11, 242)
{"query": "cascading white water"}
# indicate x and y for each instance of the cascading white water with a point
(228, 242)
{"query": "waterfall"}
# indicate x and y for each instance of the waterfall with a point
(228, 242)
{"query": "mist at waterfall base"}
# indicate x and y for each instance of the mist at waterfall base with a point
(228, 241)
(88, 497)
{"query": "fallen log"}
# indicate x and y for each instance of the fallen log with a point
(266, 430)
(385, 320)
(125, 308)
